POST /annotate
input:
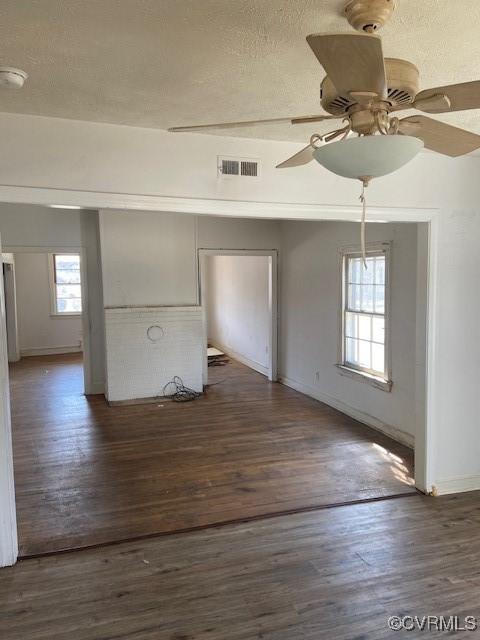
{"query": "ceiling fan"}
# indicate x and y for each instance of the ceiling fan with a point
(366, 91)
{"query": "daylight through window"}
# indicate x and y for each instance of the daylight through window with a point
(364, 319)
(67, 283)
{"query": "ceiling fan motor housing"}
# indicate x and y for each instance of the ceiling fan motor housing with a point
(403, 85)
(369, 15)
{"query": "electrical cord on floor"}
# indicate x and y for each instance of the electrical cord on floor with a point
(181, 393)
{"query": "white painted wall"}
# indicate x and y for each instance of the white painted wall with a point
(94, 364)
(310, 293)
(39, 331)
(148, 346)
(68, 154)
(237, 307)
(148, 259)
(456, 459)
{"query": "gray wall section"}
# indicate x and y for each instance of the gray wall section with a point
(310, 294)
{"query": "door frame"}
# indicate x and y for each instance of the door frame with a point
(272, 255)
(88, 382)
(13, 347)
(426, 380)
(8, 515)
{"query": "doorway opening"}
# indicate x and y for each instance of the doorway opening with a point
(238, 294)
(44, 312)
(43, 306)
(257, 441)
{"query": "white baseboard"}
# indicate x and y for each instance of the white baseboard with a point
(256, 366)
(392, 432)
(457, 485)
(50, 351)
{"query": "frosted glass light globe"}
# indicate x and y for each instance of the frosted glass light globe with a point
(368, 156)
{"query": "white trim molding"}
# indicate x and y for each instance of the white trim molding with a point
(207, 206)
(456, 485)
(348, 369)
(426, 384)
(364, 376)
(8, 518)
(50, 351)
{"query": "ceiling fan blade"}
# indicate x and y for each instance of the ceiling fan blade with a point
(456, 97)
(353, 61)
(302, 157)
(440, 137)
(249, 123)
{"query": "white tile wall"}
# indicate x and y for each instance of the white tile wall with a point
(147, 346)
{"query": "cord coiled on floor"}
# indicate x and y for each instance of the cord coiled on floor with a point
(181, 393)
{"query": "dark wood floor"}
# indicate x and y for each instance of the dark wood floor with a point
(335, 574)
(87, 473)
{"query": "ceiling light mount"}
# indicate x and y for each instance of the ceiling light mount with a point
(12, 78)
(369, 16)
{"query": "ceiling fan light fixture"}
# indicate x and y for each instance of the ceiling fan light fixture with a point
(368, 156)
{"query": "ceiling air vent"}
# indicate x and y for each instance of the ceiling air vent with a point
(249, 168)
(238, 167)
(230, 167)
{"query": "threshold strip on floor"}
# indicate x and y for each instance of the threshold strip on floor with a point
(218, 525)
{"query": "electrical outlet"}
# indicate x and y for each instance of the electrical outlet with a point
(317, 376)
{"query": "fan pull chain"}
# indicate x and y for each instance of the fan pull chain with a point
(363, 200)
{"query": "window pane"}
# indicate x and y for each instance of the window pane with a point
(67, 261)
(367, 298)
(354, 270)
(69, 291)
(368, 273)
(380, 270)
(69, 305)
(351, 325)
(67, 276)
(378, 358)
(380, 298)
(378, 330)
(364, 327)
(354, 299)
(351, 349)
(364, 354)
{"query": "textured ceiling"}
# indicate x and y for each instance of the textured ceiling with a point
(161, 63)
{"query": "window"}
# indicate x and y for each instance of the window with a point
(365, 313)
(66, 284)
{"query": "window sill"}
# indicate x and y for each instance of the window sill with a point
(66, 315)
(362, 376)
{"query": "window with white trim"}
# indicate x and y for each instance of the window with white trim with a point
(66, 284)
(365, 313)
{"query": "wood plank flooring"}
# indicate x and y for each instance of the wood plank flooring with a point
(88, 474)
(335, 574)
